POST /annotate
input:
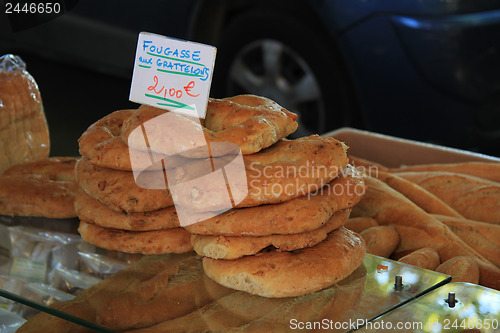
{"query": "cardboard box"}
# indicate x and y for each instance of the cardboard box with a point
(394, 152)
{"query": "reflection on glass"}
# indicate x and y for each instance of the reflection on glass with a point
(477, 309)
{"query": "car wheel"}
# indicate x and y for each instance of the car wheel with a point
(276, 55)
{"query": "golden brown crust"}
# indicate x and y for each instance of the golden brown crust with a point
(486, 170)
(462, 192)
(233, 247)
(421, 197)
(358, 224)
(380, 240)
(287, 274)
(118, 189)
(24, 134)
(176, 240)
(91, 210)
(461, 269)
(482, 237)
(286, 170)
(251, 122)
(417, 229)
(426, 257)
(44, 188)
(288, 217)
(102, 145)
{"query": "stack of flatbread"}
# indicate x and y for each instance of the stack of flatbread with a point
(265, 213)
(115, 213)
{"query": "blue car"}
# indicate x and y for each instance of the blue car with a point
(427, 70)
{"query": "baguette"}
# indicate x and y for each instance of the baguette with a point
(482, 237)
(426, 257)
(421, 197)
(417, 229)
(380, 240)
(461, 269)
(366, 165)
(486, 170)
(358, 224)
(463, 193)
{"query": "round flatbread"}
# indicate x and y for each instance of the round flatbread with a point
(44, 188)
(303, 214)
(119, 191)
(233, 247)
(102, 145)
(248, 121)
(286, 170)
(175, 240)
(91, 210)
(288, 274)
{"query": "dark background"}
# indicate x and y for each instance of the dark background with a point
(425, 70)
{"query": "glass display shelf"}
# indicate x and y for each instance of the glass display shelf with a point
(377, 287)
(454, 307)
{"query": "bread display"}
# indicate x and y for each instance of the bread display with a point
(408, 199)
(308, 216)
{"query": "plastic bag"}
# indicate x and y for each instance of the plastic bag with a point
(24, 133)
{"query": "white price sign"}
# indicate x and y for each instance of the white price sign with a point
(172, 74)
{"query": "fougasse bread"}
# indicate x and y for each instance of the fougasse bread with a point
(42, 188)
(233, 247)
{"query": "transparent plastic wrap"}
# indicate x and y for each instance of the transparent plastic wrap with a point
(24, 133)
(102, 263)
(37, 253)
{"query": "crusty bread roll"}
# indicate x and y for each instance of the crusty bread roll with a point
(380, 240)
(24, 134)
(461, 269)
(482, 237)
(358, 224)
(426, 257)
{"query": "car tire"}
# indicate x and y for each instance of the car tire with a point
(278, 55)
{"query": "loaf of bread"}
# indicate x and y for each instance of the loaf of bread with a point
(486, 170)
(421, 197)
(380, 240)
(461, 269)
(24, 134)
(463, 193)
(426, 257)
(482, 237)
(358, 224)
